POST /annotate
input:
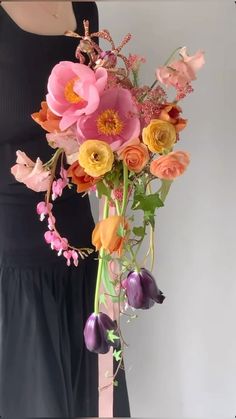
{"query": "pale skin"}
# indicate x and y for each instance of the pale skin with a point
(36, 16)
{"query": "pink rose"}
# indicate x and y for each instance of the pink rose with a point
(180, 73)
(171, 165)
(32, 174)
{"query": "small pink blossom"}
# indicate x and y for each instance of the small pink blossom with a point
(134, 62)
(32, 174)
(71, 254)
(74, 89)
(57, 187)
(58, 243)
(181, 72)
(51, 222)
(43, 209)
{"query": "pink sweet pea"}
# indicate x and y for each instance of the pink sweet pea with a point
(32, 174)
(180, 73)
(115, 121)
(66, 140)
(74, 89)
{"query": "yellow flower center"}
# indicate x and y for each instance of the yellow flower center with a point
(69, 92)
(109, 123)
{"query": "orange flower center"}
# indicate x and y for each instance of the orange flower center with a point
(109, 123)
(69, 92)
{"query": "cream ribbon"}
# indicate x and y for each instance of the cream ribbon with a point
(105, 361)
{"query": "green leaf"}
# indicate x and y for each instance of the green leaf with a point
(121, 231)
(165, 187)
(117, 355)
(111, 336)
(102, 299)
(103, 189)
(147, 202)
(139, 231)
(149, 218)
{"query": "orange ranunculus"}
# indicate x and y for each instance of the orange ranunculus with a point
(80, 177)
(46, 118)
(105, 234)
(135, 155)
(170, 112)
(170, 166)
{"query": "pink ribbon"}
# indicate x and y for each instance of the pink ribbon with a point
(105, 361)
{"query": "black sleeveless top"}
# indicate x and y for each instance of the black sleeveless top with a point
(26, 60)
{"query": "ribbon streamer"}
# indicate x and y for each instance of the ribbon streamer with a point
(105, 361)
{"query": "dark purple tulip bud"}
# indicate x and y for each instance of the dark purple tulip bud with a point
(96, 333)
(141, 289)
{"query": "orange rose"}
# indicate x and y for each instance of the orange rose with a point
(46, 118)
(135, 156)
(170, 166)
(170, 112)
(105, 234)
(80, 178)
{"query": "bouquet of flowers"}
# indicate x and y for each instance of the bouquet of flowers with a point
(113, 137)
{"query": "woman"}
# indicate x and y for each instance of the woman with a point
(45, 368)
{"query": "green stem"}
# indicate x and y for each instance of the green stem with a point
(165, 64)
(118, 210)
(100, 263)
(125, 191)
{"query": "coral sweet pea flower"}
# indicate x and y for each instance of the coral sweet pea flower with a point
(141, 289)
(183, 71)
(105, 234)
(31, 173)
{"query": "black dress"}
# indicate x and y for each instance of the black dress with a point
(45, 368)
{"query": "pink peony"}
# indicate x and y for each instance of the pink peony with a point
(180, 73)
(115, 121)
(74, 89)
(32, 174)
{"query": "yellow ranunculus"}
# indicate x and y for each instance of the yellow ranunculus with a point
(96, 157)
(159, 135)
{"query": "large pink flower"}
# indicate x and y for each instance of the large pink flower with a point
(115, 121)
(32, 174)
(74, 89)
(181, 72)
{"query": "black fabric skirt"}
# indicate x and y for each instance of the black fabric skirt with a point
(46, 370)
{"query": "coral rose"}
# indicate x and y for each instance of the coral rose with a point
(159, 135)
(96, 157)
(170, 166)
(135, 155)
(170, 112)
(105, 234)
(80, 177)
(46, 118)
(31, 173)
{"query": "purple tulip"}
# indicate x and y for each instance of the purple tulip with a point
(141, 289)
(95, 333)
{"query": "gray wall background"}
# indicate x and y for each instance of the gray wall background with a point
(181, 361)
